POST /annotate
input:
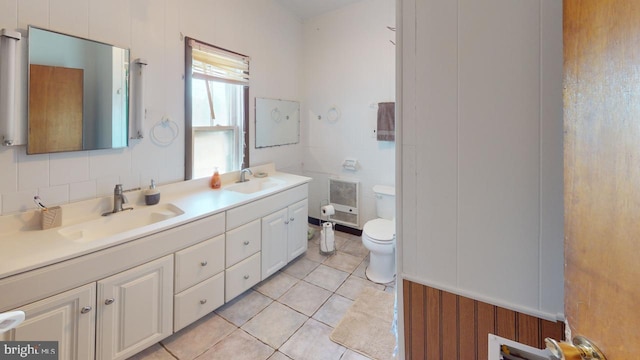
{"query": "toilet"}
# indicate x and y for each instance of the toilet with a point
(379, 236)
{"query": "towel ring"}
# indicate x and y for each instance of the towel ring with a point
(168, 124)
(333, 115)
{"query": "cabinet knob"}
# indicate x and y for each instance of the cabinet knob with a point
(204, 263)
(246, 277)
(85, 309)
(246, 242)
(109, 301)
(291, 219)
(203, 301)
(286, 222)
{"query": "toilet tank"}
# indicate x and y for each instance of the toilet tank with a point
(385, 201)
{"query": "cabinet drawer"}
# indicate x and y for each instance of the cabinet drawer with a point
(197, 301)
(199, 262)
(243, 242)
(242, 276)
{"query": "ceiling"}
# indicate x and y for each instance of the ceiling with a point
(305, 9)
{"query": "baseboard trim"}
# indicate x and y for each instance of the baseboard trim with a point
(338, 227)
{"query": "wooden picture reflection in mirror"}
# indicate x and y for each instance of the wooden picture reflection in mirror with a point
(55, 109)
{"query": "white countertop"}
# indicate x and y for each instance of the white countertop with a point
(24, 247)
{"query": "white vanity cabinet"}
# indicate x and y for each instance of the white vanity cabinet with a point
(279, 242)
(284, 237)
(115, 301)
(68, 318)
(131, 311)
(135, 309)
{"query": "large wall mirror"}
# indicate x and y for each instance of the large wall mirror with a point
(78, 94)
(277, 122)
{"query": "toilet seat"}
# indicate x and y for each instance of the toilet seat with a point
(380, 230)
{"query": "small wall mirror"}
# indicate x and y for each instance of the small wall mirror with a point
(78, 94)
(277, 122)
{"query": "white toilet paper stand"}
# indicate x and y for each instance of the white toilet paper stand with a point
(327, 239)
(327, 235)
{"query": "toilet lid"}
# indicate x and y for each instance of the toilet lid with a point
(380, 229)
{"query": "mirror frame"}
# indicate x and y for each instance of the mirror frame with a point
(97, 129)
(272, 115)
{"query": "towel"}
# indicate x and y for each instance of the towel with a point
(387, 121)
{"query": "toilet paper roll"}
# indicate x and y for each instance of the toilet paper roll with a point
(327, 240)
(328, 210)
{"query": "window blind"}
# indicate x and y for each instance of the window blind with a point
(221, 65)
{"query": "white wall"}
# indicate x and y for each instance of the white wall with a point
(482, 189)
(349, 63)
(152, 29)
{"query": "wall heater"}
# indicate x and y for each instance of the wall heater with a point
(344, 195)
(505, 349)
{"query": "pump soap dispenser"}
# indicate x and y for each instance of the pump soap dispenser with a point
(152, 195)
(215, 179)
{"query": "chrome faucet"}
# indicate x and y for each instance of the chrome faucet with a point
(118, 200)
(242, 174)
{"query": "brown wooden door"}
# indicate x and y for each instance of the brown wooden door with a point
(55, 109)
(602, 173)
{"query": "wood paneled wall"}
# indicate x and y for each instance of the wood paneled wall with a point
(442, 325)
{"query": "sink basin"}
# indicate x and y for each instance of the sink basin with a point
(254, 185)
(120, 222)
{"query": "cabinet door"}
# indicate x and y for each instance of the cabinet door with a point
(297, 232)
(68, 318)
(274, 242)
(135, 309)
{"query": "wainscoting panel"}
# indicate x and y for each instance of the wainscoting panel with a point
(442, 325)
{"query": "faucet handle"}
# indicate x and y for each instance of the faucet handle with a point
(118, 191)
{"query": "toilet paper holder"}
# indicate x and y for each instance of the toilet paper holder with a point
(350, 164)
(328, 210)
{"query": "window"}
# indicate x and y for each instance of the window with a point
(216, 110)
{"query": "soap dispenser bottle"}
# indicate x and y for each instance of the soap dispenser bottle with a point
(152, 195)
(215, 180)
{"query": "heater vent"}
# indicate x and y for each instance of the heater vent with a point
(344, 195)
(501, 348)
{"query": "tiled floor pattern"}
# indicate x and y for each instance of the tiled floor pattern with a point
(288, 316)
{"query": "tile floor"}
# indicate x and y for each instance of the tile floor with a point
(290, 315)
